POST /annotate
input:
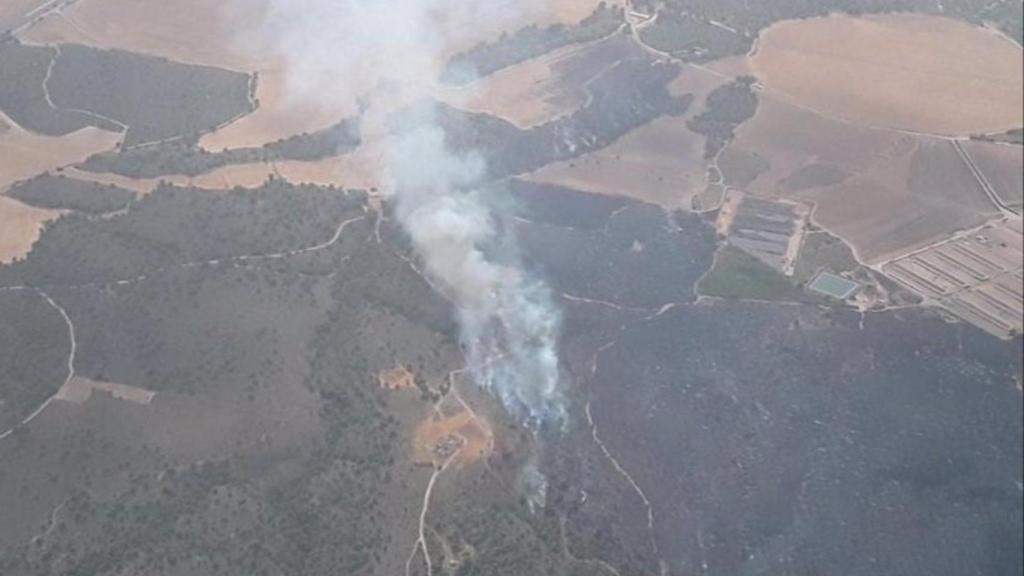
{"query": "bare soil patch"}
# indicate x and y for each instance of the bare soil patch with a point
(913, 72)
(440, 436)
(79, 390)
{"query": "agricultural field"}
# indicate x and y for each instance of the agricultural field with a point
(15, 13)
(24, 154)
(661, 162)
(20, 226)
(700, 31)
(882, 191)
(973, 79)
(540, 89)
(1003, 167)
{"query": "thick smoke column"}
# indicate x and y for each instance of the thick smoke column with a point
(509, 323)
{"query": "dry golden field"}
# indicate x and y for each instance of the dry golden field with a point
(912, 72)
(19, 227)
(662, 162)
(23, 155)
(883, 191)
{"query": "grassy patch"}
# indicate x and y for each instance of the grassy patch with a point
(736, 275)
(823, 251)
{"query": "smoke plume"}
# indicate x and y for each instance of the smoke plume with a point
(337, 48)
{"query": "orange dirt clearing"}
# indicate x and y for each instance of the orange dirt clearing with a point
(913, 72)
(461, 432)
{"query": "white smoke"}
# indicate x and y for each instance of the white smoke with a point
(336, 48)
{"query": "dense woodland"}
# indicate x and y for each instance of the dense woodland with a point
(62, 193)
(189, 159)
(58, 90)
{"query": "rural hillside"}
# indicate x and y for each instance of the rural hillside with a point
(507, 288)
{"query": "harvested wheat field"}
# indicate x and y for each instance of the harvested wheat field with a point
(912, 72)
(541, 89)
(883, 191)
(191, 31)
(909, 201)
(527, 94)
(789, 138)
(661, 162)
(23, 154)
(19, 227)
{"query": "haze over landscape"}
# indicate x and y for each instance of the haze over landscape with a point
(511, 288)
